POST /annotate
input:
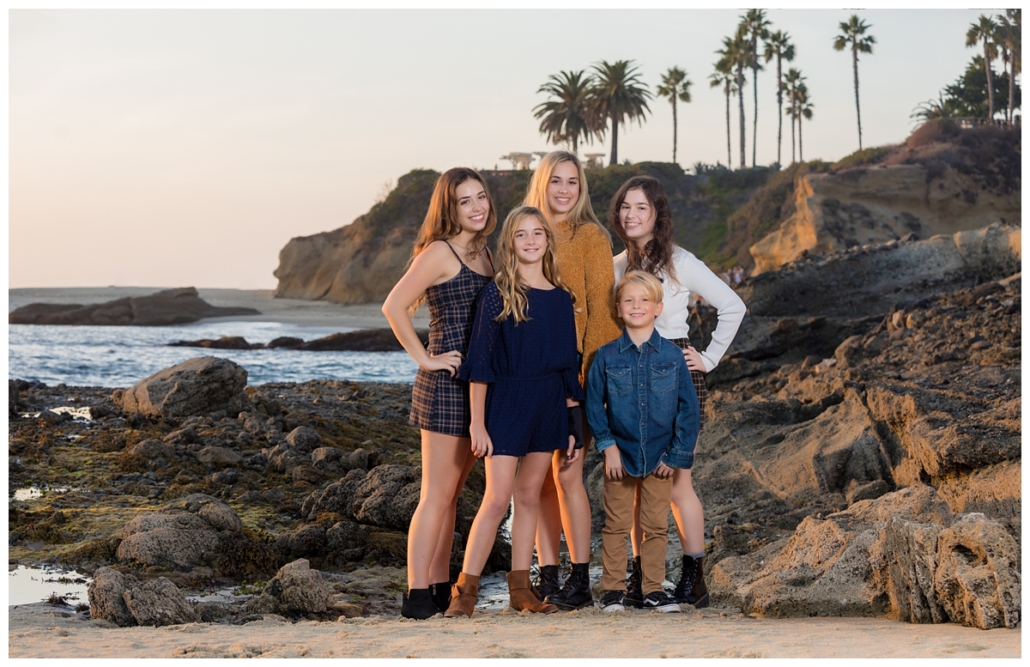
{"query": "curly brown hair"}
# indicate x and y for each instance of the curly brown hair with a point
(656, 255)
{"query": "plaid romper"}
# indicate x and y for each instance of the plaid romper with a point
(440, 403)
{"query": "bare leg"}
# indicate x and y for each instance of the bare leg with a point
(575, 506)
(500, 479)
(440, 567)
(689, 515)
(636, 536)
(548, 527)
(533, 469)
(443, 462)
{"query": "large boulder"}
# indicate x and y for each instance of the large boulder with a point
(295, 590)
(977, 576)
(173, 306)
(196, 386)
(124, 600)
(181, 535)
(158, 602)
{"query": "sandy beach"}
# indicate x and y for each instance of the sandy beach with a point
(42, 631)
(292, 311)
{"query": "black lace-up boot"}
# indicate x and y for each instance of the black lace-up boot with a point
(691, 588)
(634, 587)
(547, 581)
(575, 594)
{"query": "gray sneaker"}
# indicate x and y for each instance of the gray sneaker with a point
(661, 601)
(613, 601)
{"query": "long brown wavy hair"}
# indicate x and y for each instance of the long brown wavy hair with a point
(656, 255)
(441, 221)
(511, 289)
(582, 211)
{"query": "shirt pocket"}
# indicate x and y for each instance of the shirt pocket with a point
(663, 378)
(619, 380)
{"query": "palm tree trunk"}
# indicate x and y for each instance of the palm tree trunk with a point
(615, 141)
(779, 103)
(743, 125)
(575, 145)
(793, 140)
(754, 131)
(801, 145)
(858, 110)
(729, 147)
(1012, 84)
(990, 82)
(674, 127)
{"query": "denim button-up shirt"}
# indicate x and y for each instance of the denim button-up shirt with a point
(642, 400)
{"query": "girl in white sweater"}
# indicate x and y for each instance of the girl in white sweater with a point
(640, 215)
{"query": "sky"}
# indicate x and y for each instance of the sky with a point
(186, 147)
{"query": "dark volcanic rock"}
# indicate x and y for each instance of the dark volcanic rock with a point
(174, 306)
(223, 343)
(366, 340)
(195, 386)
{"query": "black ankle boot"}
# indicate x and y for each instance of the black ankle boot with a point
(547, 581)
(418, 604)
(691, 588)
(575, 594)
(441, 594)
(634, 587)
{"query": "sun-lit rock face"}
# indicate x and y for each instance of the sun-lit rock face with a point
(864, 206)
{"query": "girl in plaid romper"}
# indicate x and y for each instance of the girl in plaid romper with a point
(450, 265)
(640, 215)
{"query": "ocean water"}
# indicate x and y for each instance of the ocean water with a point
(122, 356)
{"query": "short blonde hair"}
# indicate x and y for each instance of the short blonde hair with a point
(644, 282)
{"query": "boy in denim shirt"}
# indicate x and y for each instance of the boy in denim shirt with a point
(642, 408)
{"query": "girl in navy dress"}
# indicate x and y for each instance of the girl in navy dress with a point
(450, 264)
(523, 370)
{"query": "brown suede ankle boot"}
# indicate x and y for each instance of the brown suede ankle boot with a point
(520, 596)
(464, 595)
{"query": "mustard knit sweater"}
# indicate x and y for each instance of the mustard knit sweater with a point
(585, 265)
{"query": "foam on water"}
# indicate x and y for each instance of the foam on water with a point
(121, 356)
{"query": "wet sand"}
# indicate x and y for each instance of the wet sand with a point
(290, 311)
(41, 631)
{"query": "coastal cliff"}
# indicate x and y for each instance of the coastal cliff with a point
(942, 180)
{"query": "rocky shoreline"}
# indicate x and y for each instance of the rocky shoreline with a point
(853, 463)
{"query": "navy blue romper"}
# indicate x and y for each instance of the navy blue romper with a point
(531, 369)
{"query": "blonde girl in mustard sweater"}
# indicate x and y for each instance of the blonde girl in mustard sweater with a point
(584, 252)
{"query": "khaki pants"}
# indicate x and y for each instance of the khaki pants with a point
(655, 495)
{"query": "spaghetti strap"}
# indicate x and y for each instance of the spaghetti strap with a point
(489, 257)
(456, 255)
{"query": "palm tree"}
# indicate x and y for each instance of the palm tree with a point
(619, 95)
(933, 109)
(735, 51)
(675, 85)
(802, 109)
(792, 83)
(778, 46)
(567, 117)
(755, 27)
(984, 31)
(1009, 33)
(723, 76)
(852, 32)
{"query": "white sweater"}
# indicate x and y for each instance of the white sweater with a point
(692, 276)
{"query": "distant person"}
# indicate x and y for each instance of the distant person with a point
(643, 411)
(640, 215)
(559, 189)
(450, 265)
(523, 368)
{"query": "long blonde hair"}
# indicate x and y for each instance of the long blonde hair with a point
(582, 211)
(511, 289)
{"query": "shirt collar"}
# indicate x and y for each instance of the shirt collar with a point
(625, 342)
